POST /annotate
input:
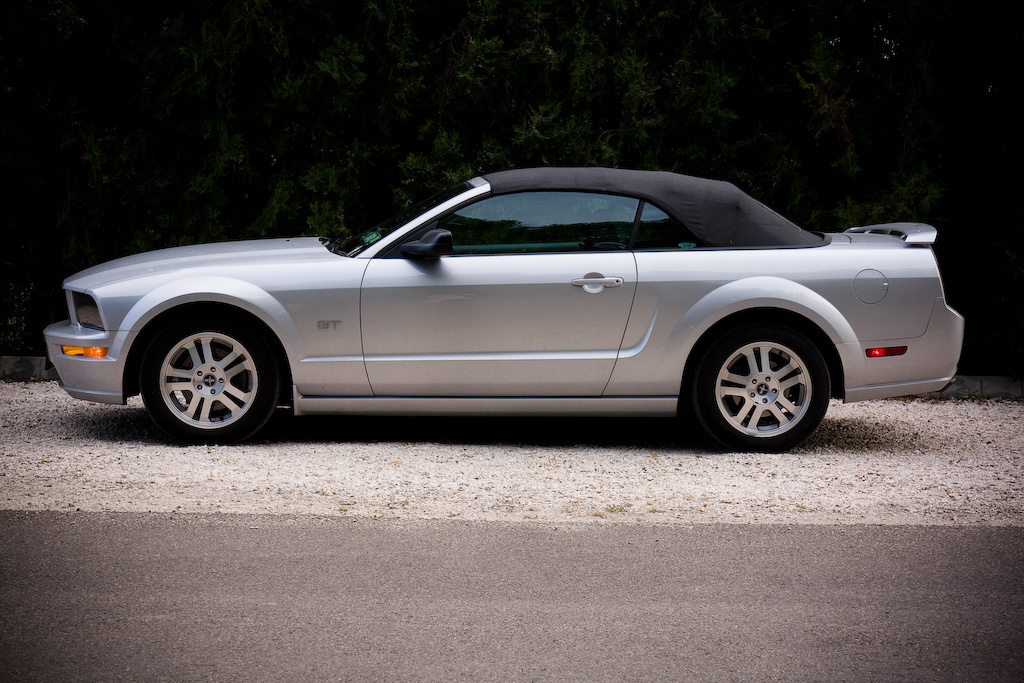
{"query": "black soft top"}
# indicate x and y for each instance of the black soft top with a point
(717, 212)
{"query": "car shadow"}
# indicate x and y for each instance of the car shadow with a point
(651, 433)
(118, 424)
(861, 435)
(835, 434)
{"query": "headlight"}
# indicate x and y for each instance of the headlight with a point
(86, 310)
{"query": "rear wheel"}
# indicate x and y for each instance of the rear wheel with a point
(209, 381)
(761, 388)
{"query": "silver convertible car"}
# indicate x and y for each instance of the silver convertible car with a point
(552, 291)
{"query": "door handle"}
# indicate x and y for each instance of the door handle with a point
(596, 283)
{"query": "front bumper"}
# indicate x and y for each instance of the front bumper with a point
(91, 379)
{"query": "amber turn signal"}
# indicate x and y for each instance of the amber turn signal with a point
(87, 351)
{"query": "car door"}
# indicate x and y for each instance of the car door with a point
(533, 301)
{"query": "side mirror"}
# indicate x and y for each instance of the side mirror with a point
(432, 245)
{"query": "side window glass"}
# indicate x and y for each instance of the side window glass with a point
(659, 231)
(538, 222)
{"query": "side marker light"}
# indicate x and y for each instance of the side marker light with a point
(886, 351)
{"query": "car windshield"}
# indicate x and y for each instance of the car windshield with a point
(350, 246)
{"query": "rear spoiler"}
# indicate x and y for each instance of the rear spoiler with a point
(911, 233)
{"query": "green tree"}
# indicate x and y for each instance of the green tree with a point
(128, 127)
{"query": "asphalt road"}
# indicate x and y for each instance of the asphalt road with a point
(160, 597)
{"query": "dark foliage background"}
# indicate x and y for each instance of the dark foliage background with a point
(128, 126)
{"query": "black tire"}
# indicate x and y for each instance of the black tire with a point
(209, 381)
(761, 388)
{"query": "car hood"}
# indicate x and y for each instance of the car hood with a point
(248, 253)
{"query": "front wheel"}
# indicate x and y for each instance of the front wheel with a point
(761, 388)
(209, 381)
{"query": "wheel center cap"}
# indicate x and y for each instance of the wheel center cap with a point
(764, 390)
(210, 381)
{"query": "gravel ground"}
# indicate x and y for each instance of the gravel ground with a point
(917, 461)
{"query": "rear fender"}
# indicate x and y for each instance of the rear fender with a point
(760, 293)
(666, 356)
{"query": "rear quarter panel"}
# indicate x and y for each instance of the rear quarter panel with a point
(681, 295)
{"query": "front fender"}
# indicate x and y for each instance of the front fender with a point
(222, 290)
